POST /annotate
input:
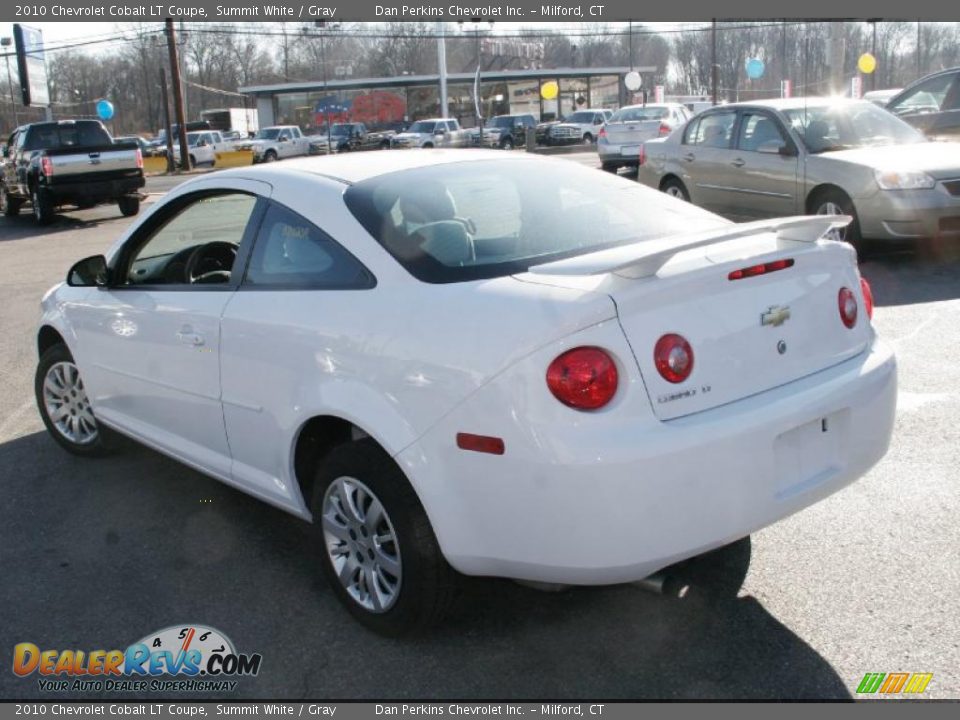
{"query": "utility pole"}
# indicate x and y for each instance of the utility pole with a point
(442, 67)
(714, 68)
(631, 45)
(177, 94)
(7, 42)
(873, 51)
(166, 119)
(919, 42)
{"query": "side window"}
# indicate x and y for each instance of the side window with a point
(759, 132)
(198, 244)
(713, 130)
(451, 126)
(284, 135)
(292, 252)
(295, 133)
(691, 132)
(927, 97)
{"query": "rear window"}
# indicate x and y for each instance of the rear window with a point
(54, 136)
(482, 219)
(639, 114)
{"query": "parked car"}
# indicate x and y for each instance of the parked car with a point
(347, 137)
(203, 147)
(146, 149)
(474, 361)
(504, 131)
(435, 132)
(583, 126)
(816, 155)
(881, 97)
(619, 139)
(542, 131)
(931, 104)
(275, 143)
(69, 162)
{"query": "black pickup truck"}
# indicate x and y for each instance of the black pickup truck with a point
(69, 162)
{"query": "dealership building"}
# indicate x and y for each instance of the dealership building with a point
(390, 100)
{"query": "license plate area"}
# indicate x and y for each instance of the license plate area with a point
(629, 150)
(810, 454)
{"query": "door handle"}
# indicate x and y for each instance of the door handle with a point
(738, 163)
(689, 157)
(188, 337)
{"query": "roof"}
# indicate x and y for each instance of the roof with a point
(793, 103)
(355, 167)
(409, 80)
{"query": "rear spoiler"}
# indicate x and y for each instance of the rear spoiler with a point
(644, 259)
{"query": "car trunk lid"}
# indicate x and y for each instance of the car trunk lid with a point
(749, 334)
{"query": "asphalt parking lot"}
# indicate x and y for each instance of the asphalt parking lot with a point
(96, 554)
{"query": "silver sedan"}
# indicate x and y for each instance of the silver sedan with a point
(812, 155)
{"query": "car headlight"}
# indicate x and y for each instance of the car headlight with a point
(903, 180)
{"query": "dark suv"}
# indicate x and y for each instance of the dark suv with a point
(931, 104)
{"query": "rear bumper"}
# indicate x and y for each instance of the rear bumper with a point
(619, 154)
(604, 500)
(87, 191)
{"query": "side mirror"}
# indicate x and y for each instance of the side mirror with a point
(282, 139)
(89, 272)
(787, 150)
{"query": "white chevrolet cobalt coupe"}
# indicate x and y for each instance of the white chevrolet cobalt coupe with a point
(464, 361)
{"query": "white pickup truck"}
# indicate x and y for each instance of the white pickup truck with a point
(203, 146)
(276, 142)
(435, 132)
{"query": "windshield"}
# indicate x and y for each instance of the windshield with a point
(580, 117)
(422, 126)
(825, 128)
(639, 113)
(488, 218)
(503, 122)
(268, 134)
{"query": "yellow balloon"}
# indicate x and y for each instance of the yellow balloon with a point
(549, 90)
(867, 63)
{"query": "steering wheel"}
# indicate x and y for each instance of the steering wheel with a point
(211, 262)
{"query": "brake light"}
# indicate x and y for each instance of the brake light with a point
(847, 304)
(664, 129)
(643, 155)
(139, 159)
(673, 357)
(867, 297)
(761, 269)
(602, 133)
(46, 166)
(584, 378)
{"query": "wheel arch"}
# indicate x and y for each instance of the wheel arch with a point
(668, 177)
(47, 337)
(821, 189)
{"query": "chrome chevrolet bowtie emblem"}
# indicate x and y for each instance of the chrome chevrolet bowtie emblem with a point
(775, 316)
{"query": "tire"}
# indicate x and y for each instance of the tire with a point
(675, 188)
(43, 210)
(82, 436)
(428, 145)
(610, 167)
(588, 139)
(836, 202)
(270, 156)
(507, 144)
(11, 206)
(193, 162)
(419, 591)
(129, 205)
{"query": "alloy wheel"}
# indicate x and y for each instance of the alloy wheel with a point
(66, 404)
(362, 544)
(831, 208)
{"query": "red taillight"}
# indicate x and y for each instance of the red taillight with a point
(139, 159)
(664, 129)
(762, 269)
(46, 166)
(847, 303)
(642, 158)
(480, 443)
(602, 133)
(584, 378)
(673, 357)
(867, 297)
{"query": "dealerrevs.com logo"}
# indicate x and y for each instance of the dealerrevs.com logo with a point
(181, 658)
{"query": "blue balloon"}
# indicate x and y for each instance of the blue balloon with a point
(104, 109)
(755, 68)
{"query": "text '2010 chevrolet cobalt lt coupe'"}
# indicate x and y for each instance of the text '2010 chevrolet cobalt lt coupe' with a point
(465, 361)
